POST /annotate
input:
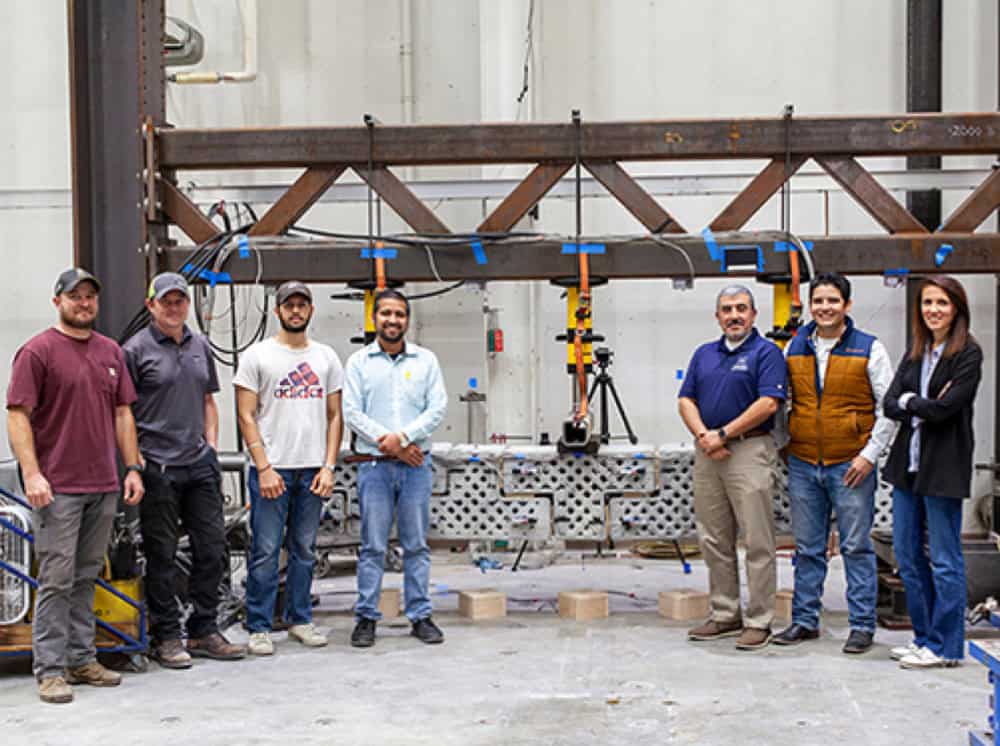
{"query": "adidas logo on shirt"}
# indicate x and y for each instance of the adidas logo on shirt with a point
(300, 383)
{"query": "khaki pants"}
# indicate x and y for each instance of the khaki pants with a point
(730, 497)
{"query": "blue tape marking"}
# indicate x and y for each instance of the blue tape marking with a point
(519, 456)
(640, 455)
(479, 252)
(680, 374)
(215, 278)
(474, 459)
(687, 567)
(781, 246)
(898, 272)
(473, 383)
(584, 248)
(187, 269)
(711, 245)
(942, 253)
(244, 244)
(378, 253)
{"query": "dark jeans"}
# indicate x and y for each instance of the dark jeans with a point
(188, 497)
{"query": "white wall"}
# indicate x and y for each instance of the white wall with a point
(329, 62)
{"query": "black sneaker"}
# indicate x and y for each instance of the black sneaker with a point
(363, 635)
(426, 631)
(795, 634)
(859, 641)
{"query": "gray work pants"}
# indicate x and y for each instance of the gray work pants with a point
(71, 537)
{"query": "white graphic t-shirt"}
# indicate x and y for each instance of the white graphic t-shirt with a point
(291, 386)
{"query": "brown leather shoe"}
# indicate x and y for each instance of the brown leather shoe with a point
(713, 630)
(54, 690)
(753, 638)
(93, 673)
(171, 654)
(217, 647)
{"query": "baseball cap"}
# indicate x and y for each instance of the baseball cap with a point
(293, 287)
(166, 282)
(72, 277)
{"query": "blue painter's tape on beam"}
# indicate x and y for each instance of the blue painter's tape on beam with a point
(680, 374)
(785, 246)
(584, 248)
(187, 269)
(244, 244)
(479, 252)
(897, 272)
(378, 253)
(942, 253)
(711, 245)
(215, 278)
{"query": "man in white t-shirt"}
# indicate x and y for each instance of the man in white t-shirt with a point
(288, 398)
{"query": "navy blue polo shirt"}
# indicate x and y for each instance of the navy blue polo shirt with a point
(725, 382)
(171, 381)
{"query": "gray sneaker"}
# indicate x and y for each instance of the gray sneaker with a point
(308, 635)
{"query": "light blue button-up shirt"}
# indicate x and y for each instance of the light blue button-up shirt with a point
(384, 395)
(928, 363)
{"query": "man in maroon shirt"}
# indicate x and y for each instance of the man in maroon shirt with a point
(68, 404)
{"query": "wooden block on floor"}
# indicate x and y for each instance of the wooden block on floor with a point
(684, 605)
(583, 605)
(482, 604)
(388, 603)
(783, 603)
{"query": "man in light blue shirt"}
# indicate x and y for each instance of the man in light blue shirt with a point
(394, 398)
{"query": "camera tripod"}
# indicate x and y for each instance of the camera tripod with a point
(604, 383)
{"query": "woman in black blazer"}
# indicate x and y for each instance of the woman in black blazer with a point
(930, 467)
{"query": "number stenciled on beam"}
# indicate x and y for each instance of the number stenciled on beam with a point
(964, 130)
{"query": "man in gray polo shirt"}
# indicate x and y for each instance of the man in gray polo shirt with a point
(178, 423)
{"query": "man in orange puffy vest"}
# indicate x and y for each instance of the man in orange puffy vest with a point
(837, 377)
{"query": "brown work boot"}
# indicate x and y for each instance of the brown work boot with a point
(713, 630)
(215, 646)
(93, 673)
(171, 654)
(54, 690)
(754, 638)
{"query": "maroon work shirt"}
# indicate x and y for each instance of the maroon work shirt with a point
(72, 387)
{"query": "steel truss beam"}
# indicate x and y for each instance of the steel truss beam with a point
(336, 262)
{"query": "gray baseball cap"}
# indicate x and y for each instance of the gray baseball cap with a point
(72, 277)
(290, 288)
(166, 282)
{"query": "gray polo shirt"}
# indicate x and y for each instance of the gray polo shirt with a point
(171, 381)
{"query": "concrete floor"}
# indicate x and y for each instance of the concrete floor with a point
(531, 678)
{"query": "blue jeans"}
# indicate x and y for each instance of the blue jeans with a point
(935, 587)
(814, 491)
(299, 509)
(386, 488)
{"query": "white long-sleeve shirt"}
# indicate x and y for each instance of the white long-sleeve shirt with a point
(880, 374)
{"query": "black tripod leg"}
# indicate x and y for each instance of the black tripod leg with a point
(520, 553)
(632, 438)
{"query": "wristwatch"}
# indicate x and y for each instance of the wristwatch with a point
(134, 467)
(330, 467)
(722, 434)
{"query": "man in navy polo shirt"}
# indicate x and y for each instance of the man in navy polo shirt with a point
(730, 394)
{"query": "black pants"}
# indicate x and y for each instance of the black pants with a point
(188, 497)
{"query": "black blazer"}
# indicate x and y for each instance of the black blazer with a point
(946, 440)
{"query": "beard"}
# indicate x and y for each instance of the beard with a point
(390, 336)
(294, 328)
(75, 323)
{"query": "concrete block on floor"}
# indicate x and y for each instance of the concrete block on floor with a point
(583, 605)
(783, 603)
(684, 605)
(388, 603)
(482, 604)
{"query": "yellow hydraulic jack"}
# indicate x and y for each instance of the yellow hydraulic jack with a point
(787, 303)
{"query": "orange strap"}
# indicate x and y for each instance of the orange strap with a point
(582, 314)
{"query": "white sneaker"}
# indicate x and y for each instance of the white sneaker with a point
(308, 635)
(924, 658)
(901, 652)
(260, 644)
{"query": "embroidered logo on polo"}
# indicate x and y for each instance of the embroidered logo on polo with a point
(741, 364)
(300, 383)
